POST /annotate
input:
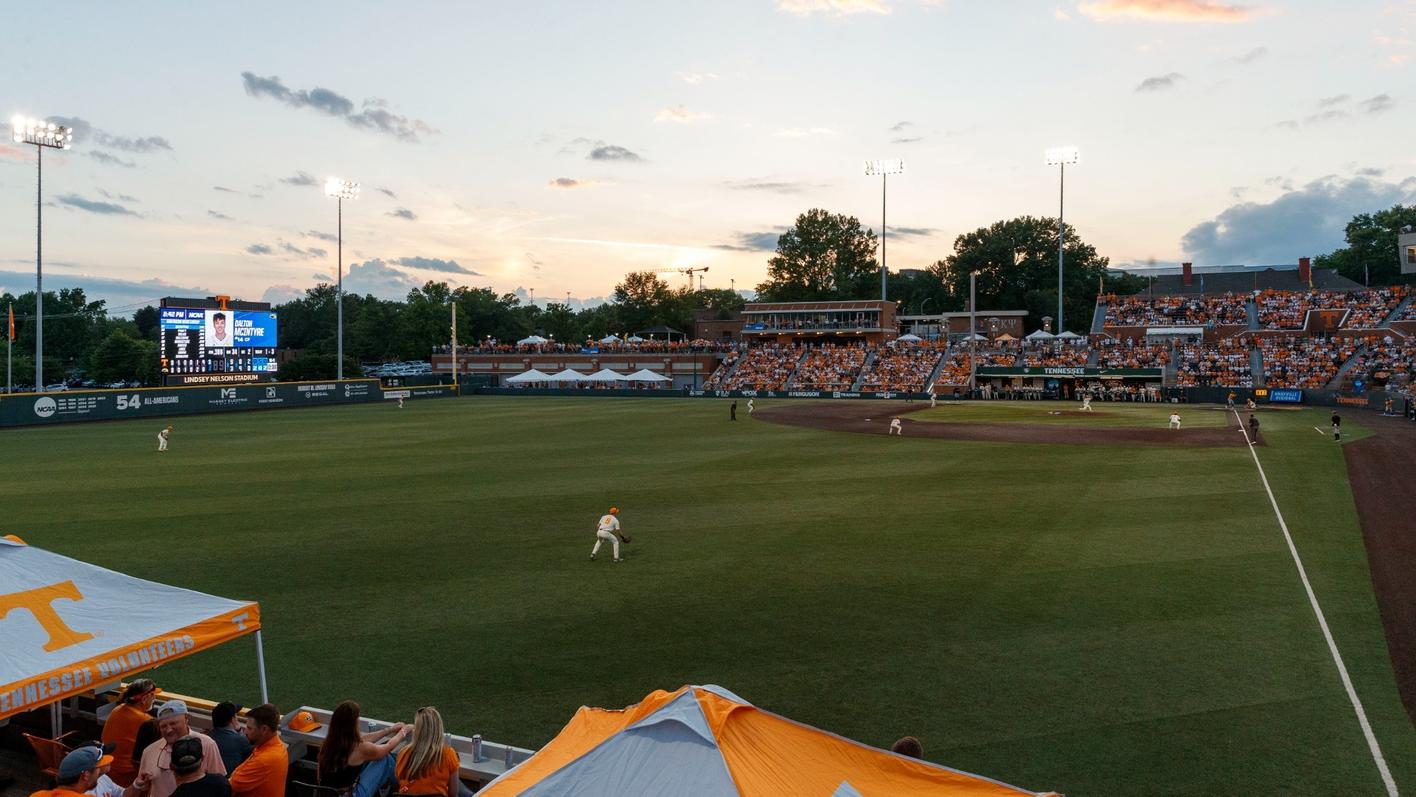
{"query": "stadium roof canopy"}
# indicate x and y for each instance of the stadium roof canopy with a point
(1240, 279)
(69, 626)
(707, 741)
(811, 307)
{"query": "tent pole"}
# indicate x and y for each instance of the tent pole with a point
(56, 720)
(260, 665)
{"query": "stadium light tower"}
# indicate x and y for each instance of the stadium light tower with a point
(41, 134)
(884, 168)
(1060, 157)
(340, 190)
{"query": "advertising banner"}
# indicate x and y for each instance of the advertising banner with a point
(105, 405)
(1128, 373)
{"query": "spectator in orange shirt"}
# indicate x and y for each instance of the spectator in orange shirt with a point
(121, 729)
(428, 765)
(264, 773)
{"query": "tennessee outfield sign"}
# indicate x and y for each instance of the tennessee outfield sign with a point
(1013, 370)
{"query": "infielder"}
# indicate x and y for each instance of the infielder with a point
(1174, 420)
(895, 428)
(162, 438)
(1087, 403)
(609, 529)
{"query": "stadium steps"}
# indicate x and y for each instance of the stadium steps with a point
(864, 370)
(938, 367)
(727, 372)
(1400, 308)
(1252, 309)
(1094, 358)
(1099, 318)
(790, 384)
(1256, 365)
(1336, 383)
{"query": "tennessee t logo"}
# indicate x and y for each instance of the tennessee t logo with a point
(38, 602)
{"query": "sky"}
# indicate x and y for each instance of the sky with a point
(552, 147)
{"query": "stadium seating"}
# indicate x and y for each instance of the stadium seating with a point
(1126, 354)
(1289, 309)
(901, 368)
(1055, 355)
(1303, 362)
(1225, 364)
(1142, 311)
(763, 368)
(829, 367)
(1384, 362)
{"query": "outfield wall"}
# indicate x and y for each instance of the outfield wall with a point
(72, 406)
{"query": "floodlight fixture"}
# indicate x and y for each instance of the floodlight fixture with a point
(882, 167)
(341, 189)
(41, 133)
(1059, 156)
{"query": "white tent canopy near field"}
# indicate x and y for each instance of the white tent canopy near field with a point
(909, 338)
(528, 377)
(568, 375)
(1040, 335)
(69, 627)
(646, 375)
(605, 375)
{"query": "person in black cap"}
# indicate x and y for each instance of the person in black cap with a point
(188, 755)
(226, 732)
(1336, 426)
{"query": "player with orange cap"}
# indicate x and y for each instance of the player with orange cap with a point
(162, 438)
(609, 529)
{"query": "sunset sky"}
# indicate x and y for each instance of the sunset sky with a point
(555, 146)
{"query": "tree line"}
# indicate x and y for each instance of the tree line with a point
(823, 256)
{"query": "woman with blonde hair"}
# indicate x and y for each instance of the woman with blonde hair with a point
(428, 765)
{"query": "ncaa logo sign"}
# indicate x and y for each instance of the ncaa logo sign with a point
(45, 407)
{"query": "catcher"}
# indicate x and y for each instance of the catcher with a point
(609, 529)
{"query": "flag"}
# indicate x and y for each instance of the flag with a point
(12, 323)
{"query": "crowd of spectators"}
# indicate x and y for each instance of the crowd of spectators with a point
(1130, 354)
(1186, 311)
(1055, 355)
(957, 367)
(1370, 308)
(1225, 364)
(901, 368)
(1289, 309)
(829, 367)
(1303, 362)
(1384, 363)
(493, 346)
(762, 368)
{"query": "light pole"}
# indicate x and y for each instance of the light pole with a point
(973, 330)
(883, 168)
(41, 134)
(1060, 157)
(340, 190)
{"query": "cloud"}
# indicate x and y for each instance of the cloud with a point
(680, 115)
(694, 78)
(1251, 56)
(1325, 116)
(117, 197)
(374, 115)
(110, 160)
(86, 132)
(613, 152)
(908, 232)
(222, 216)
(321, 277)
(1337, 99)
(93, 206)
(378, 278)
(1378, 104)
(1303, 222)
(280, 294)
(1370, 171)
(124, 296)
(772, 186)
(802, 132)
(259, 249)
(567, 183)
(754, 241)
(909, 140)
(899, 127)
(313, 252)
(435, 264)
(403, 213)
(328, 237)
(301, 179)
(838, 8)
(223, 189)
(1165, 10)
(1160, 82)
(387, 193)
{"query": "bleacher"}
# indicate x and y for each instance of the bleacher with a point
(901, 368)
(762, 368)
(1226, 364)
(1303, 362)
(828, 367)
(1127, 354)
(1176, 311)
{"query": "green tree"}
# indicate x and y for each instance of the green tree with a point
(1016, 261)
(824, 256)
(146, 320)
(1370, 256)
(559, 322)
(117, 358)
(644, 301)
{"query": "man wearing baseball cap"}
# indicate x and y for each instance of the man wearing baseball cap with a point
(123, 726)
(78, 772)
(192, 781)
(226, 732)
(608, 530)
(155, 775)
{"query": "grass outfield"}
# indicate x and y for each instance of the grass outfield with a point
(1100, 621)
(1104, 415)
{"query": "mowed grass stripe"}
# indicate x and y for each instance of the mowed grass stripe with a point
(1096, 620)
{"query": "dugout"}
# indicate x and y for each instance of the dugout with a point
(1062, 382)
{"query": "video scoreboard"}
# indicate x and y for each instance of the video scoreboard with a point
(217, 344)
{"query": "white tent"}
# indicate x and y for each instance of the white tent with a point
(634, 339)
(605, 375)
(85, 626)
(909, 338)
(531, 341)
(646, 375)
(1040, 335)
(532, 375)
(1070, 335)
(974, 336)
(609, 339)
(568, 375)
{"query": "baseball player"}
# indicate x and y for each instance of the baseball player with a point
(933, 400)
(1174, 420)
(1336, 426)
(1087, 403)
(162, 438)
(1229, 399)
(609, 529)
(896, 428)
(749, 406)
(400, 402)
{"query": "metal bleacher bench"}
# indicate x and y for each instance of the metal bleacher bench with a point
(493, 763)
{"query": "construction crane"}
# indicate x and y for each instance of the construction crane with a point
(690, 272)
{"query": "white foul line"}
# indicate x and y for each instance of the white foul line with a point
(1320, 431)
(1322, 623)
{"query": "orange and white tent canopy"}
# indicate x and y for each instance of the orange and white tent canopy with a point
(67, 626)
(706, 741)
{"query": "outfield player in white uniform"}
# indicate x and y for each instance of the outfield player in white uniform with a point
(1174, 420)
(933, 400)
(749, 406)
(608, 530)
(162, 438)
(1087, 402)
(895, 428)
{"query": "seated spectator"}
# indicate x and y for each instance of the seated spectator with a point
(264, 773)
(192, 780)
(155, 770)
(121, 729)
(353, 762)
(428, 765)
(226, 732)
(79, 773)
(908, 746)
